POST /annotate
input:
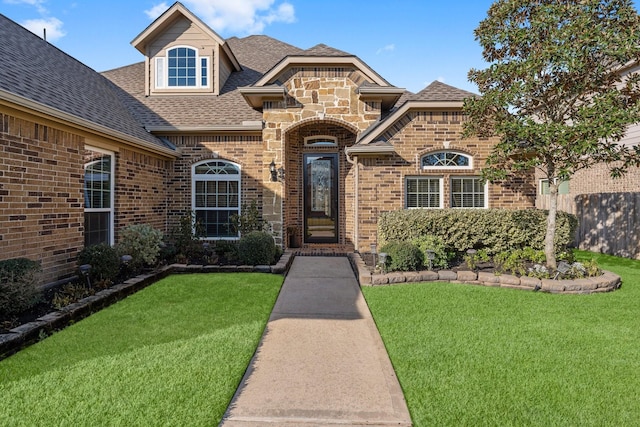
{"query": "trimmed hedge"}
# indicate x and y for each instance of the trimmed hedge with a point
(495, 230)
(257, 248)
(403, 256)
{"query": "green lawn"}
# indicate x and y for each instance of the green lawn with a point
(172, 354)
(469, 355)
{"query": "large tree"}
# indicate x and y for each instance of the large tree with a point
(558, 91)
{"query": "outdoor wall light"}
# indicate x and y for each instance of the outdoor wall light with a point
(277, 174)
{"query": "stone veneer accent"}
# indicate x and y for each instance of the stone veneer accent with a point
(605, 283)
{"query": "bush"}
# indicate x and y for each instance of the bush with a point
(249, 219)
(403, 256)
(142, 242)
(257, 248)
(435, 244)
(19, 291)
(496, 230)
(183, 244)
(104, 260)
(516, 261)
(227, 250)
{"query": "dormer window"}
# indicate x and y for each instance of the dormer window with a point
(182, 67)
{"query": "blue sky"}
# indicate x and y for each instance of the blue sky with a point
(409, 42)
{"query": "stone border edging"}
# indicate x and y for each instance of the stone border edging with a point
(32, 332)
(607, 282)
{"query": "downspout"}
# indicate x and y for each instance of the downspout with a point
(356, 205)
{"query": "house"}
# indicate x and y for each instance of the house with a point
(316, 138)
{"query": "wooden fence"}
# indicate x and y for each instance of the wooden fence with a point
(608, 222)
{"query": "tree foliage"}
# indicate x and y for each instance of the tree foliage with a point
(560, 90)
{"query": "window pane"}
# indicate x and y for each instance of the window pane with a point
(219, 184)
(446, 159)
(423, 192)
(96, 228)
(467, 193)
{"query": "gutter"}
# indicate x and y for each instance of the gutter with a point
(254, 125)
(86, 125)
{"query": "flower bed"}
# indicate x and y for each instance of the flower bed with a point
(604, 283)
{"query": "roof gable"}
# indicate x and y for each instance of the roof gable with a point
(438, 91)
(169, 18)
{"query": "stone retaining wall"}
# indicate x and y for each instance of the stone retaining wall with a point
(605, 283)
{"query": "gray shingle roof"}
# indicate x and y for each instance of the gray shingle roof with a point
(256, 54)
(324, 50)
(38, 71)
(438, 91)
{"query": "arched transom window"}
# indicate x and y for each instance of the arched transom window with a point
(447, 159)
(216, 197)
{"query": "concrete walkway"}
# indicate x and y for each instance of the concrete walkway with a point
(321, 361)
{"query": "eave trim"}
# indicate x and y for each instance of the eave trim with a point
(84, 124)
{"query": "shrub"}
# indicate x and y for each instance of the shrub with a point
(496, 230)
(257, 248)
(435, 244)
(18, 285)
(249, 219)
(227, 249)
(104, 260)
(183, 243)
(403, 256)
(472, 260)
(142, 242)
(516, 260)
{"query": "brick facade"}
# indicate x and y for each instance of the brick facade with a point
(41, 201)
(41, 192)
(382, 179)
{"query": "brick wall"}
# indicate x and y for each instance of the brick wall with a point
(141, 190)
(245, 150)
(382, 179)
(41, 200)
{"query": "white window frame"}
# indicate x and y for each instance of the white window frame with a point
(486, 192)
(162, 70)
(215, 177)
(544, 187)
(440, 167)
(421, 177)
(110, 209)
(320, 141)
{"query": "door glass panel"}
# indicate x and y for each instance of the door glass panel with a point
(321, 198)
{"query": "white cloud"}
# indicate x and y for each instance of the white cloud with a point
(52, 25)
(441, 79)
(388, 48)
(241, 16)
(156, 10)
(38, 4)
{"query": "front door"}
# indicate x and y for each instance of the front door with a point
(321, 198)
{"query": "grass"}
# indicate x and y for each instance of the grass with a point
(469, 355)
(172, 354)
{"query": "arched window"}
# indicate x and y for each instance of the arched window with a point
(216, 197)
(182, 67)
(447, 159)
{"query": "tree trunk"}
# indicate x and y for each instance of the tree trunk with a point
(549, 243)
